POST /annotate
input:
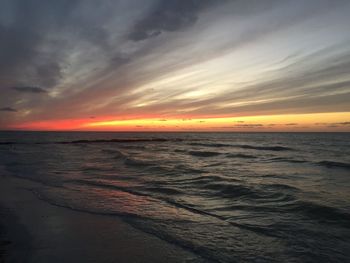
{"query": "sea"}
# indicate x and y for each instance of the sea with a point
(227, 197)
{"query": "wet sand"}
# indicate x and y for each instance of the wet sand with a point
(32, 230)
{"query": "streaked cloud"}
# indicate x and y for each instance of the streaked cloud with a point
(173, 59)
(28, 89)
(168, 16)
(8, 109)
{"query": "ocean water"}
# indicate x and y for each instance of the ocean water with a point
(228, 197)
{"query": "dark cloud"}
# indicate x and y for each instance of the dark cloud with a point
(291, 124)
(253, 125)
(119, 60)
(38, 38)
(28, 89)
(334, 124)
(27, 54)
(344, 123)
(8, 109)
(243, 126)
(320, 123)
(168, 16)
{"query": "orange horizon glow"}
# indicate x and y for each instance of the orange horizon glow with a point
(323, 122)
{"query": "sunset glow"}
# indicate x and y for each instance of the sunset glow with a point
(199, 65)
(300, 122)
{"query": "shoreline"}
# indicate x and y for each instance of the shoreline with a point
(32, 230)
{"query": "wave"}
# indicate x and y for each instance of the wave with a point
(204, 180)
(133, 146)
(229, 190)
(119, 186)
(322, 213)
(180, 151)
(184, 168)
(111, 151)
(7, 143)
(213, 165)
(94, 169)
(240, 155)
(174, 222)
(244, 146)
(116, 154)
(332, 164)
(204, 153)
(164, 190)
(288, 160)
(263, 194)
(280, 187)
(173, 229)
(137, 191)
(137, 163)
(216, 145)
(265, 148)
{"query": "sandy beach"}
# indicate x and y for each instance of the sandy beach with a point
(35, 231)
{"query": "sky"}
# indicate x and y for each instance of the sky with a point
(175, 65)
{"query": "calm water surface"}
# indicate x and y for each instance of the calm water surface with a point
(228, 197)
